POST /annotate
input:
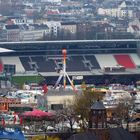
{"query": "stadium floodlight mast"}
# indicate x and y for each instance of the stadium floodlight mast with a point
(64, 74)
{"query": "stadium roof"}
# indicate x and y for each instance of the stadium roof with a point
(3, 50)
(71, 41)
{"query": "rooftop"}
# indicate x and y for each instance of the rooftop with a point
(98, 105)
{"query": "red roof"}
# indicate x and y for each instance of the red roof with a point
(37, 113)
(52, 12)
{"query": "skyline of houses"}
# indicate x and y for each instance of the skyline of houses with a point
(68, 19)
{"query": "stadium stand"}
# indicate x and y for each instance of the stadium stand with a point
(1, 66)
(135, 59)
(106, 60)
(26, 63)
(92, 61)
(97, 61)
(125, 60)
(13, 61)
(76, 64)
(41, 63)
(50, 64)
(38, 63)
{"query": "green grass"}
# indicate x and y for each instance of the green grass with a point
(20, 80)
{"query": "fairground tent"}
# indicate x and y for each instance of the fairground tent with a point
(11, 134)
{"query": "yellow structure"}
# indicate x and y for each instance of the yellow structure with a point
(45, 138)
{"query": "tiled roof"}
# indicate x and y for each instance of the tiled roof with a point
(39, 26)
(114, 133)
(83, 136)
(10, 27)
(128, 2)
(135, 27)
(98, 105)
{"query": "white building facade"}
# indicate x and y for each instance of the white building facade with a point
(121, 11)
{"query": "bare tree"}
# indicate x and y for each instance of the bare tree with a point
(83, 103)
(67, 115)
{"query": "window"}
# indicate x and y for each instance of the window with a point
(56, 106)
(10, 68)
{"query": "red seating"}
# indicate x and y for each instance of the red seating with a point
(125, 60)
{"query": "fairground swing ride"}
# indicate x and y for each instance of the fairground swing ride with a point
(63, 74)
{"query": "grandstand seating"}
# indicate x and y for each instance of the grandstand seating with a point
(73, 63)
(41, 63)
(125, 60)
(105, 60)
(50, 65)
(96, 61)
(135, 59)
(59, 64)
(93, 61)
(76, 64)
(1, 66)
(26, 63)
(13, 61)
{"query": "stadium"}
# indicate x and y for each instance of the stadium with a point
(92, 61)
